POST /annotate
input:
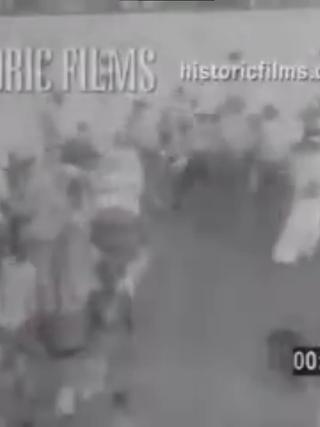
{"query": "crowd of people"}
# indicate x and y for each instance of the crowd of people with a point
(74, 241)
(72, 251)
(254, 141)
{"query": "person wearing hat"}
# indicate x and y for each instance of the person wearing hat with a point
(300, 235)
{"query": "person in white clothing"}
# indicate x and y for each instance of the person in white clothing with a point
(300, 234)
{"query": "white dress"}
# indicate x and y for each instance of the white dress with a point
(301, 233)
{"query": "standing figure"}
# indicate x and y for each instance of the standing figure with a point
(176, 134)
(117, 227)
(18, 172)
(118, 233)
(18, 333)
(48, 203)
(202, 138)
(73, 275)
(278, 133)
(140, 133)
(236, 148)
(300, 234)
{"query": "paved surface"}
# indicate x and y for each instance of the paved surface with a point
(210, 297)
(202, 315)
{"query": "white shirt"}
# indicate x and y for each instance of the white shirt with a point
(121, 181)
(301, 232)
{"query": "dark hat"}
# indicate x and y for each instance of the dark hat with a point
(269, 112)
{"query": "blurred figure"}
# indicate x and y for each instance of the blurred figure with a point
(177, 139)
(80, 151)
(186, 170)
(18, 301)
(18, 332)
(18, 214)
(119, 235)
(136, 127)
(271, 167)
(255, 125)
(237, 86)
(72, 274)
(141, 133)
(195, 167)
(117, 229)
(49, 120)
(234, 126)
(237, 142)
(46, 200)
(300, 235)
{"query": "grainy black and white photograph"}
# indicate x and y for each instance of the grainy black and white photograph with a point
(159, 213)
